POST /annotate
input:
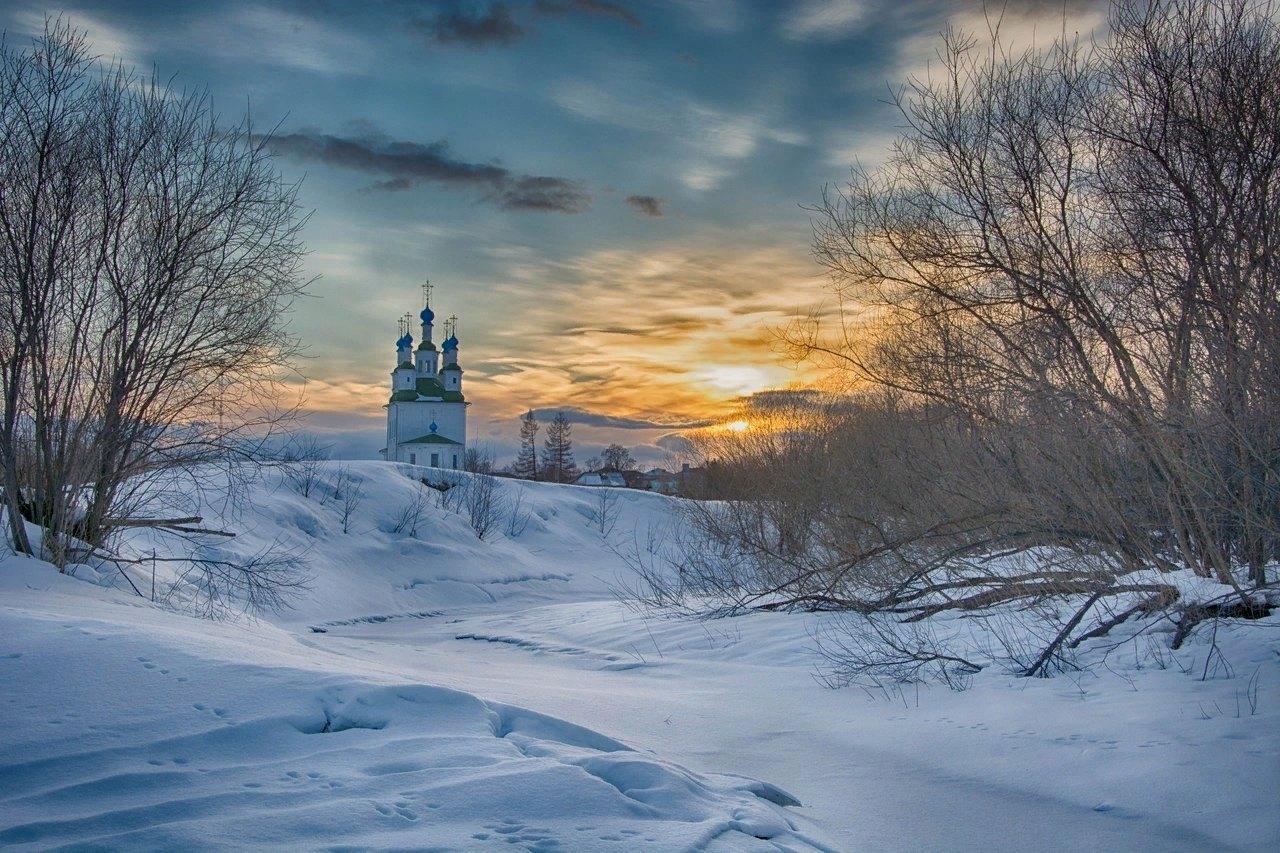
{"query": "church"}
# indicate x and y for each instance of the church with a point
(427, 414)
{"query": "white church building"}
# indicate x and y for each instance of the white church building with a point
(427, 414)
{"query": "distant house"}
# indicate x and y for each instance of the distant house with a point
(662, 480)
(686, 481)
(604, 477)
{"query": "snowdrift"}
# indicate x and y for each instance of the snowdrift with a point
(135, 726)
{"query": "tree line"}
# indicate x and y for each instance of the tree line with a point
(556, 464)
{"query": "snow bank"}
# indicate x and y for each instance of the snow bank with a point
(130, 726)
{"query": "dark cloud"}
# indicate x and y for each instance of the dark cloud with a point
(582, 416)
(496, 368)
(406, 164)
(663, 326)
(473, 28)
(494, 24)
(795, 398)
(601, 8)
(674, 442)
(646, 204)
(557, 195)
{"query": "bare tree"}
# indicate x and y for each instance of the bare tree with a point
(518, 515)
(149, 254)
(1074, 249)
(1059, 321)
(477, 460)
(617, 457)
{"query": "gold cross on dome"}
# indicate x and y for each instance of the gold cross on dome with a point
(426, 292)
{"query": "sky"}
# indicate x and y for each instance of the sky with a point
(610, 195)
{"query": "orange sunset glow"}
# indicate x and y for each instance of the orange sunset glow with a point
(674, 336)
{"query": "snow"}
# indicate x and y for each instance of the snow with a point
(445, 692)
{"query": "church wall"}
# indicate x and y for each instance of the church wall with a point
(413, 419)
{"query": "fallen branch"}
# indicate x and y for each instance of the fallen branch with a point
(1150, 605)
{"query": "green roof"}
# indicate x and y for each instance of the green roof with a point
(427, 345)
(431, 438)
(452, 367)
(429, 387)
(402, 365)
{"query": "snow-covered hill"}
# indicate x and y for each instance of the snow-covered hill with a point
(408, 549)
(433, 689)
(133, 726)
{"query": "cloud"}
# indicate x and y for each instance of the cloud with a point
(600, 8)
(107, 41)
(675, 443)
(786, 398)
(716, 16)
(824, 20)
(709, 141)
(255, 33)
(646, 204)
(577, 415)
(495, 25)
(1017, 26)
(456, 25)
(406, 164)
(867, 148)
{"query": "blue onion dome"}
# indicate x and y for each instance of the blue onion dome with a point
(404, 342)
(427, 315)
(433, 426)
(451, 344)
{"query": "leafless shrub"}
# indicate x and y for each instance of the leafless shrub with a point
(483, 502)
(1250, 693)
(869, 650)
(656, 578)
(452, 488)
(305, 460)
(518, 515)
(412, 514)
(477, 460)
(213, 583)
(606, 505)
(349, 492)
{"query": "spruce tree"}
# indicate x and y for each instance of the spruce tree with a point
(526, 466)
(557, 451)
